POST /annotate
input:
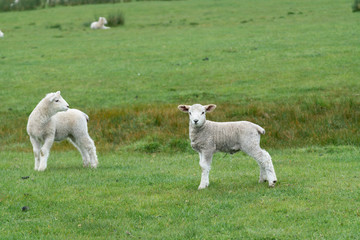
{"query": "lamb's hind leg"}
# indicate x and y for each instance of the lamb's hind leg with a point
(85, 156)
(267, 171)
(92, 152)
(87, 146)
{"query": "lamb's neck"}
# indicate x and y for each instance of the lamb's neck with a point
(194, 131)
(42, 115)
(44, 118)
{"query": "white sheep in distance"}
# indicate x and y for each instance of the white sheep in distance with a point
(1, 34)
(14, 3)
(99, 24)
(208, 137)
(52, 120)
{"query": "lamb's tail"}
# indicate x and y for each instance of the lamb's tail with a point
(86, 117)
(260, 129)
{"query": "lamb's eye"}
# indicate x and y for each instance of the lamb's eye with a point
(56, 100)
(203, 113)
(189, 113)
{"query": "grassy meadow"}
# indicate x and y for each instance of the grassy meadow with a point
(155, 196)
(292, 67)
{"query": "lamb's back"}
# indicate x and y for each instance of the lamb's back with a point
(231, 136)
(70, 123)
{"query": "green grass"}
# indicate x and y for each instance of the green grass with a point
(281, 62)
(115, 19)
(356, 6)
(8, 5)
(292, 67)
(155, 196)
(274, 57)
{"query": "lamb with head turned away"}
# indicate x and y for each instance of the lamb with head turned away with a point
(53, 120)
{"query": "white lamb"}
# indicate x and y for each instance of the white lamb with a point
(99, 24)
(208, 137)
(14, 3)
(1, 34)
(53, 120)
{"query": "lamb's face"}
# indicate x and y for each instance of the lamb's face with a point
(197, 113)
(58, 104)
(102, 20)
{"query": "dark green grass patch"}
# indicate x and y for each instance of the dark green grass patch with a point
(356, 6)
(159, 128)
(10, 5)
(115, 19)
(155, 196)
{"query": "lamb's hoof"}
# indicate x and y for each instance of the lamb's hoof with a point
(203, 186)
(272, 184)
(94, 166)
(41, 169)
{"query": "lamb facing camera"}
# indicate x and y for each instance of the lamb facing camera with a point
(52, 120)
(208, 137)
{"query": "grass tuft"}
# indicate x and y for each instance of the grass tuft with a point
(148, 146)
(55, 26)
(356, 6)
(115, 19)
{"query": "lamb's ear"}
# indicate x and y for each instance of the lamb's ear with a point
(52, 97)
(184, 108)
(210, 107)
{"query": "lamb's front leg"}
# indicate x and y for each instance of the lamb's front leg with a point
(44, 153)
(205, 164)
(263, 176)
(36, 150)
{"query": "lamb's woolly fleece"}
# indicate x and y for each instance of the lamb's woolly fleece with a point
(99, 24)
(208, 137)
(52, 120)
(226, 137)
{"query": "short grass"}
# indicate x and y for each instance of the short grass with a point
(263, 51)
(292, 67)
(155, 196)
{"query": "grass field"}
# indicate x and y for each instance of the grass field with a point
(291, 67)
(155, 197)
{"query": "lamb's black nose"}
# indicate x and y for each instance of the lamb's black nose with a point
(195, 121)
